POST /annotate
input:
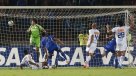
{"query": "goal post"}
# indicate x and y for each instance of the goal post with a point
(65, 23)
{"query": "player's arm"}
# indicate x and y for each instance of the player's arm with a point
(109, 36)
(132, 23)
(32, 63)
(29, 29)
(92, 38)
(109, 30)
(42, 29)
(58, 41)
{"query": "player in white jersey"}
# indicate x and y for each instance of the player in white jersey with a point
(121, 38)
(27, 60)
(91, 44)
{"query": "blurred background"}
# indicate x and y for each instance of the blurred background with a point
(66, 2)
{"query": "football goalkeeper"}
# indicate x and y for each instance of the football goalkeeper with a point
(35, 34)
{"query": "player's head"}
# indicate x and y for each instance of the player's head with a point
(33, 21)
(121, 23)
(93, 25)
(25, 52)
(81, 31)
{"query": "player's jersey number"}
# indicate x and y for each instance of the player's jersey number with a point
(96, 36)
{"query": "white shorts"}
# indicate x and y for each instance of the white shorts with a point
(121, 47)
(92, 48)
(35, 67)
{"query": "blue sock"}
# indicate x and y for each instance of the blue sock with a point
(49, 62)
(116, 62)
(56, 61)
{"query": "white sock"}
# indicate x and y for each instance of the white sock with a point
(88, 58)
(121, 60)
(114, 61)
(118, 60)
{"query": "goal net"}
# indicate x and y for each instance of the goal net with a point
(65, 23)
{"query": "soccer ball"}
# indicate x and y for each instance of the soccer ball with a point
(10, 23)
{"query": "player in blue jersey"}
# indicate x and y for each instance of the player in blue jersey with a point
(111, 47)
(51, 43)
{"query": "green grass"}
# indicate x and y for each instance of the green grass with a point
(69, 72)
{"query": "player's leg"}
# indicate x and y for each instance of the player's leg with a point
(56, 60)
(23, 62)
(122, 54)
(90, 52)
(106, 51)
(31, 44)
(118, 54)
(114, 53)
(34, 42)
(88, 58)
(37, 48)
(119, 59)
(62, 53)
(45, 65)
(50, 59)
(38, 54)
(33, 67)
(116, 59)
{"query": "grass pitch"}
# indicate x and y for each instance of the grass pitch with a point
(69, 72)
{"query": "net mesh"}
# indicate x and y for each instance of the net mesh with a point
(65, 24)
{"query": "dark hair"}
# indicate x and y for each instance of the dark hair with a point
(34, 20)
(44, 34)
(121, 23)
(25, 52)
